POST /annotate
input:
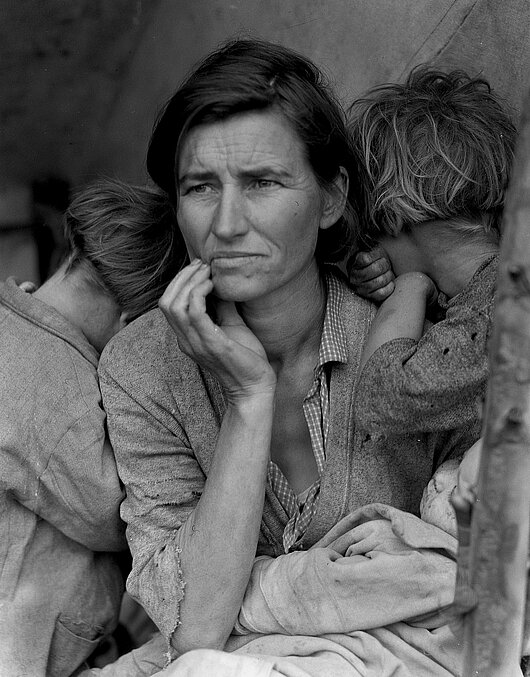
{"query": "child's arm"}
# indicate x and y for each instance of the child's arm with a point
(433, 384)
(402, 314)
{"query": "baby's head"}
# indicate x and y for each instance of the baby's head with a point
(435, 506)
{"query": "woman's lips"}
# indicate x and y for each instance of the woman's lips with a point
(232, 259)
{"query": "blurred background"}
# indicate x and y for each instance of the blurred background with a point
(83, 80)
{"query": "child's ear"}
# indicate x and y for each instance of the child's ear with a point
(335, 200)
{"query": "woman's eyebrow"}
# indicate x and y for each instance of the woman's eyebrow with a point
(196, 176)
(264, 170)
(246, 172)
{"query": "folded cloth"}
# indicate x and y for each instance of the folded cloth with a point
(371, 599)
(210, 663)
(377, 566)
(359, 654)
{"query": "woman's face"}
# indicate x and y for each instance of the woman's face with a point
(249, 204)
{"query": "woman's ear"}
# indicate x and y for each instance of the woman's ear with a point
(335, 199)
(124, 320)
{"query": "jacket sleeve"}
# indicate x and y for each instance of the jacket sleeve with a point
(434, 384)
(77, 488)
(163, 482)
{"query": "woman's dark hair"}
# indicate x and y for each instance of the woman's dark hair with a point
(251, 75)
(439, 146)
(126, 240)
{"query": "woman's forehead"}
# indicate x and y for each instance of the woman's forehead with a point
(248, 139)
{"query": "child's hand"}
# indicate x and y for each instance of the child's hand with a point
(463, 499)
(371, 274)
(464, 496)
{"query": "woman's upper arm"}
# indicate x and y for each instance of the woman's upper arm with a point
(163, 483)
(434, 384)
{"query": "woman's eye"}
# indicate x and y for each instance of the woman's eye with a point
(199, 188)
(265, 183)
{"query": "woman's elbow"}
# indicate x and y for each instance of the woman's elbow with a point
(187, 638)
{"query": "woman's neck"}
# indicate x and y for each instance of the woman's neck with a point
(289, 322)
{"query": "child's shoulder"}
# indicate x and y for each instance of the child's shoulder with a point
(480, 290)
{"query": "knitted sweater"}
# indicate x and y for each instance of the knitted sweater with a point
(60, 581)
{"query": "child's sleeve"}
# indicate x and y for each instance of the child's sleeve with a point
(433, 384)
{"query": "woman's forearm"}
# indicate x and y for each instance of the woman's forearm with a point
(219, 539)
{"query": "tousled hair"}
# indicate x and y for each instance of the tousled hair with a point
(126, 241)
(254, 75)
(438, 147)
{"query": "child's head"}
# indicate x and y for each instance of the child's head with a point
(451, 476)
(438, 147)
(126, 242)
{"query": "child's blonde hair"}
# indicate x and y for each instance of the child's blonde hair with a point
(439, 146)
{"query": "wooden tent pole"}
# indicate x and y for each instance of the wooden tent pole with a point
(501, 517)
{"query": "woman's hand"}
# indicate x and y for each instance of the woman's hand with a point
(228, 349)
(371, 274)
(231, 503)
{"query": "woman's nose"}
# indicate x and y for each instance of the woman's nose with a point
(230, 219)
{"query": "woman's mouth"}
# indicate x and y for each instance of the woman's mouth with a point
(232, 259)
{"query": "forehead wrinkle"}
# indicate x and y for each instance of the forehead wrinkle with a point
(240, 151)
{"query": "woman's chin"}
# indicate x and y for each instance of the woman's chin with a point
(236, 290)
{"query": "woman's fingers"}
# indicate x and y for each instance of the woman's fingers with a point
(184, 306)
(175, 301)
(197, 300)
(177, 284)
(228, 349)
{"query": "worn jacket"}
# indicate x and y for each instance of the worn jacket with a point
(60, 584)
